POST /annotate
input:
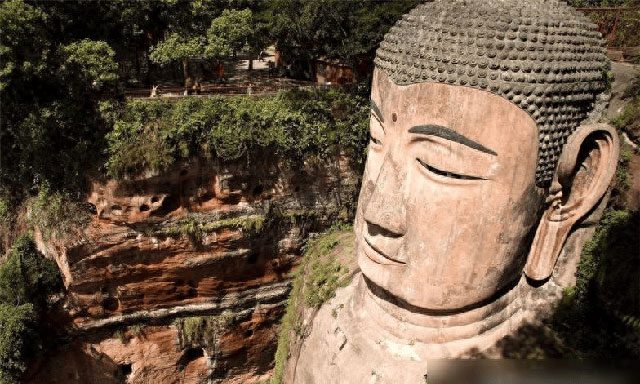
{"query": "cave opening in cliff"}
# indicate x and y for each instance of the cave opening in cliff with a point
(189, 355)
(124, 370)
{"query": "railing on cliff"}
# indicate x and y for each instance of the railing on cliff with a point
(258, 89)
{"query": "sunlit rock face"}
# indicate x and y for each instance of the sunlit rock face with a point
(485, 167)
(182, 277)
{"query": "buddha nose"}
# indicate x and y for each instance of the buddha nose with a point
(385, 212)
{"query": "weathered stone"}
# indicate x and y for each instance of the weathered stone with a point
(198, 241)
(481, 183)
(542, 55)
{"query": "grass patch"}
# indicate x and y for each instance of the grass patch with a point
(55, 213)
(137, 330)
(314, 282)
(203, 331)
(629, 120)
(323, 274)
(195, 229)
(119, 334)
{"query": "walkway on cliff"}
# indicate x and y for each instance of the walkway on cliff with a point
(262, 79)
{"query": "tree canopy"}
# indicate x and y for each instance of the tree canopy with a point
(51, 89)
(177, 47)
(345, 30)
(230, 32)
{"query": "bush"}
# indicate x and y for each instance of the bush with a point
(27, 277)
(155, 134)
(55, 213)
(27, 280)
(204, 331)
(599, 318)
(629, 120)
(16, 329)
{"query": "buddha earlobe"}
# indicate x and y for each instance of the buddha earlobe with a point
(585, 170)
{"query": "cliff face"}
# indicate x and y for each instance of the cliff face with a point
(182, 277)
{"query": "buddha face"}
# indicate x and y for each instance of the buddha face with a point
(448, 204)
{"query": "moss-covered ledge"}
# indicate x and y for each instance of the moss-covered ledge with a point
(328, 263)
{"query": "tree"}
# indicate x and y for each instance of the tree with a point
(51, 125)
(176, 47)
(23, 45)
(92, 60)
(27, 276)
(230, 33)
(349, 31)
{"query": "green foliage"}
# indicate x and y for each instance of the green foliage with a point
(27, 280)
(615, 248)
(230, 32)
(4, 209)
(195, 228)
(345, 30)
(50, 128)
(204, 331)
(622, 180)
(22, 47)
(137, 330)
(324, 275)
(153, 135)
(16, 331)
(93, 60)
(314, 282)
(597, 318)
(27, 277)
(55, 213)
(177, 47)
(629, 120)
(119, 334)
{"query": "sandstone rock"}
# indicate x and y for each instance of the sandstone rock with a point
(197, 241)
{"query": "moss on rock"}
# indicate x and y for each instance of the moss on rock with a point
(316, 280)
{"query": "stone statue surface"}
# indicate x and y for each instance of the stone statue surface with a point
(486, 157)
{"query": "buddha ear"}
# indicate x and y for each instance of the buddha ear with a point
(585, 169)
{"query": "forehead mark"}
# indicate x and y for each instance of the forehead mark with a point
(449, 134)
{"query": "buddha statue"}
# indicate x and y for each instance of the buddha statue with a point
(485, 156)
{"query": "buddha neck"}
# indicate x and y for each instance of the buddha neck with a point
(497, 315)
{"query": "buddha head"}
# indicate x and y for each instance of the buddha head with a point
(485, 151)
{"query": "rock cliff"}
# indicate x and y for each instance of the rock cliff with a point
(181, 277)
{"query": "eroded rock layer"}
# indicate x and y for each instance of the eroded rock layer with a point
(182, 277)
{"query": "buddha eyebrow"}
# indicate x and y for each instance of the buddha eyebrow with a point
(448, 134)
(376, 111)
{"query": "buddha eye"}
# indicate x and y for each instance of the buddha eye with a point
(448, 174)
(376, 132)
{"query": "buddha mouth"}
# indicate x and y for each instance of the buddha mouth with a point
(375, 255)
